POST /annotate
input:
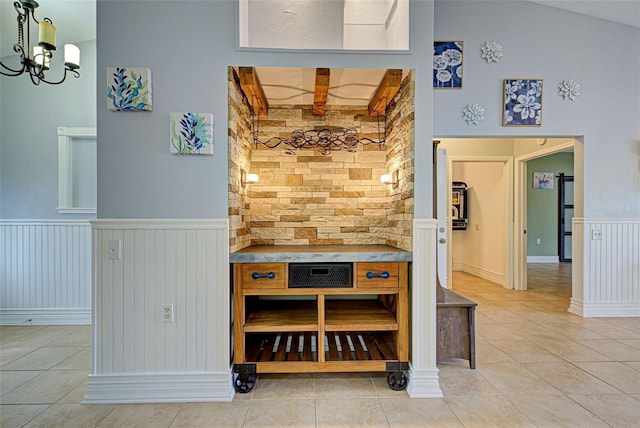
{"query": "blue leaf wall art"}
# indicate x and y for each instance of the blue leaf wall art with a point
(129, 89)
(191, 133)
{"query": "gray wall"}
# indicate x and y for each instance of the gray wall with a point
(552, 44)
(188, 46)
(28, 135)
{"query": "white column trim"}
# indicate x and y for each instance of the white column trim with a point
(423, 374)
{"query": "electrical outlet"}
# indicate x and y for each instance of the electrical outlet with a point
(114, 249)
(167, 312)
(538, 241)
(596, 234)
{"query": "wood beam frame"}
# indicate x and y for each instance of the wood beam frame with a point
(252, 88)
(387, 89)
(320, 91)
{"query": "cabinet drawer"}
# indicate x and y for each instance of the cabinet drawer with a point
(263, 275)
(382, 274)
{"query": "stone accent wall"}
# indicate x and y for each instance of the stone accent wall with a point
(400, 161)
(239, 160)
(307, 198)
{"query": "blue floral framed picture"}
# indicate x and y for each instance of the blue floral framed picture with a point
(522, 102)
(447, 64)
(191, 133)
(129, 89)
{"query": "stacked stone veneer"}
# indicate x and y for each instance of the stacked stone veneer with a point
(308, 198)
(240, 138)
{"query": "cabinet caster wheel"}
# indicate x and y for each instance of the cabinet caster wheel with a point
(397, 381)
(244, 383)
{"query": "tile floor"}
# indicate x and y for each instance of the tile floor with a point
(537, 365)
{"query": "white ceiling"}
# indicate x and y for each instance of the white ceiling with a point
(622, 11)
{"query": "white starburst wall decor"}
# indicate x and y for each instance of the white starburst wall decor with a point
(569, 89)
(491, 51)
(473, 114)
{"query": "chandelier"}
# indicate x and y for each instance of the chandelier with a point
(324, 139)
(43, 51)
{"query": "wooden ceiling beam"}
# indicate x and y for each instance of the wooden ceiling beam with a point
(320, 91)
(250, 84)
(387, 89)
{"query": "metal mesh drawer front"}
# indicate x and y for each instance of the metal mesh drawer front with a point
(320, 275)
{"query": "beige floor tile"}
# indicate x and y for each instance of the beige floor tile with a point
(345, 387)
(612, 331)
(486, 352)
(525, 351)
(633, 364)
(345, 413)
(547, 411)
(46, 388)
(204, 415)
(12, 379)
(426, 412)
(515, 379)
(71, 416)
(142, 415)
(494, 331)
(81, 360)
(281, 413)
(463, 381)
(487, 411)
(74, 335)
(12, 352)
(573, 331)
(38, 336)
(615, 374)
(568, 378)
(18, 415)
(636, 396)
(76, 396)
(42, 358)
(631, 342)
(15, 335)
(613, 349)
(284, 389)
(618, 410)
(572, 351)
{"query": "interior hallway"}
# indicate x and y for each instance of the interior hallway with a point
(538, 365)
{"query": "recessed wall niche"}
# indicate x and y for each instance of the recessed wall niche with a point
(305, 197)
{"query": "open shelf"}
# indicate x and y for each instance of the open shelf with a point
(359, 315)
(280, 316)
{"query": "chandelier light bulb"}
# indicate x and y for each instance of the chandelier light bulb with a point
(71, 56)
(47, 33)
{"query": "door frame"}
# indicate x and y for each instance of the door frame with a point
(520, 209)
(508, 265)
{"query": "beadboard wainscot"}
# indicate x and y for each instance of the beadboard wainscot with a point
(45, 272)
(137, 357)
(606, 267)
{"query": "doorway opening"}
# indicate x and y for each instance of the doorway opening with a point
(513, 153)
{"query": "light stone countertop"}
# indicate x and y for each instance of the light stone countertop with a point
(320, 254)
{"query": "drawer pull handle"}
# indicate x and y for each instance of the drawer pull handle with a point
(256, 275)
(371, 275)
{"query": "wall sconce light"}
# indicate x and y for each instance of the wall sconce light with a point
(246, 178)
(390, 178)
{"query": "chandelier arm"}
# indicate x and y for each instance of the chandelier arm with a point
(14, 71)
(76, 74)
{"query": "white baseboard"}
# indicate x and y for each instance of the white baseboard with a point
(160, 388)
(483, 273)
(36, 316)
(543, 259)
(424, 384)
(604, 310)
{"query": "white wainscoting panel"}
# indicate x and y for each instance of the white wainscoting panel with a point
(609, 278)
(423, 373)
(45, 272)
(184, 263)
